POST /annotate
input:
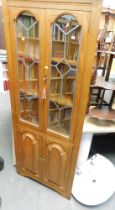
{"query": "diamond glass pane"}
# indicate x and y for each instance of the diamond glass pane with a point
(66, 34)
(27, 39)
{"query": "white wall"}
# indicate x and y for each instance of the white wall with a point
(109, 3)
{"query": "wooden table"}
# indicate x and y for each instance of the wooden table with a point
(92, 126)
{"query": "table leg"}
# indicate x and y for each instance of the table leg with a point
(84, 148)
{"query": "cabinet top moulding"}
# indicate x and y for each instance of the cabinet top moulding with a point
(83, 5)
(75, 1)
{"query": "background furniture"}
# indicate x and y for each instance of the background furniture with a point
(92, 126)
(4, 81)
(104, 54)
(49, 64)
(103, 85)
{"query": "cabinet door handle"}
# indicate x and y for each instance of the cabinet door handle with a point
(45, 67)
(45, 79)
(45, 74)
(40, 157)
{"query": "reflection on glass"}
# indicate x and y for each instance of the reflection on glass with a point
(27, 36)
(66, 34)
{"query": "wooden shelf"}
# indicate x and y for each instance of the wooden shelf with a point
(68, 77)
(66, 101)
(31, 80)
(69, 93)
(62, 41)
(54, 94)
(55, 78)
(27, 58)
(28, 111)
(59, 60)
(76, 43)
(50, 123)
(26, 38)
(29, 93)
(52, 110)
(71, 77)
(59, 41)
(30, 119)
(65, 120)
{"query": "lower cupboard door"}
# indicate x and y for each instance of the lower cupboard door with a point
(56, 163)
(30, 154)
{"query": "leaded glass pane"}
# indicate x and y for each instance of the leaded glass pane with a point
(66, 34)
(27, 39)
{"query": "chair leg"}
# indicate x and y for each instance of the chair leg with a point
(112, 99)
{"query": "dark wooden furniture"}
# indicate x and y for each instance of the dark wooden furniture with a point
(104, 54)
(103, 85)
(103, 113)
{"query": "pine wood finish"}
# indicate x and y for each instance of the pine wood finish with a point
(43, 153)
(30, 152)
(57, 155)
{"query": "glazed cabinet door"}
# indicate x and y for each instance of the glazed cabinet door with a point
(65, 59)
(56, 163)
(27, 48)
(30, 153)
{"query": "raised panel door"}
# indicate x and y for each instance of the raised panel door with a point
(30, 147)
(56, 163)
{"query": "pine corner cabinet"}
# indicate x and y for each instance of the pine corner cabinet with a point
(50, 47)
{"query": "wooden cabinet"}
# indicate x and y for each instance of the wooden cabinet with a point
(50, 50)
(47, 159)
